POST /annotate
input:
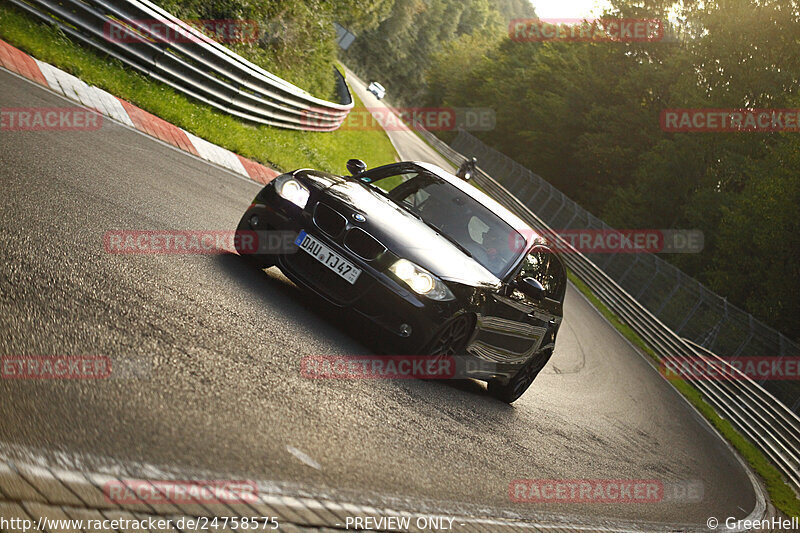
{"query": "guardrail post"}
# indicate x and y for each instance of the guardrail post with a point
(667, 298)
(550, 190)
(538, 190)
(575, 212)
(516, 172)
(649, 282)
(740, 349)
(690, 314)
(634, 262)
(558, 211)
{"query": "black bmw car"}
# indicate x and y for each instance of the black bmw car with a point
(442, 268)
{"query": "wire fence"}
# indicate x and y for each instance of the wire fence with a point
(758, 414)
(676, 299)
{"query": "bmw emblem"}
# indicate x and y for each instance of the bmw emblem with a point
(358, 217)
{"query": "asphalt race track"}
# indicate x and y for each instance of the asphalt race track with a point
(216, 347)
(406, 142)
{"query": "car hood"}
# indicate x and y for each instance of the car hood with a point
(407, 236)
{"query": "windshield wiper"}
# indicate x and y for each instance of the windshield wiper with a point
(446, 236)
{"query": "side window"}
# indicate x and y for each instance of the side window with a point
(542, 265)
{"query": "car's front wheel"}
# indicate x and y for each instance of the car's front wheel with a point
(516, 386)
(452, 337)
(451, 340)
(250, 222)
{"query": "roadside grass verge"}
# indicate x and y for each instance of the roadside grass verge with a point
(781, 494)
(281, 149)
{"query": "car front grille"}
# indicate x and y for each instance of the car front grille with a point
(334, 224)
(329, 220)
(363, 244)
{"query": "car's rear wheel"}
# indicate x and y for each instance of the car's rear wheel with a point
(516, 386)
(251, 222)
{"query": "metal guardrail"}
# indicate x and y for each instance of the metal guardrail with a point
(685, 305)
(756, 413)
(682, 303)
(191, 63)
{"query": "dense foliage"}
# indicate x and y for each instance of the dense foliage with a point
(296, 38)
(400, 49)
(586, 117)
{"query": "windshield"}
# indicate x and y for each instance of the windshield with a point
(469, 224)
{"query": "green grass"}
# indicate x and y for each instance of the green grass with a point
(781, 494)
(280, 149)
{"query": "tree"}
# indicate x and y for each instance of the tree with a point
(585, 116)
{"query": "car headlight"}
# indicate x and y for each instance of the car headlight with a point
(289, 188)
(420, 280)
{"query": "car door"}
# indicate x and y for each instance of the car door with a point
(546, 267)
(514, 326)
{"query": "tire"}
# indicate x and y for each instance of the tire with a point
(452, 338)
(516, 386)
(260, 260)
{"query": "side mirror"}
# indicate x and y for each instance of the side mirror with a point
(531, 288)
(356, 167)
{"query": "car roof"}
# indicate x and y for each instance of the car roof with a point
(510, 218)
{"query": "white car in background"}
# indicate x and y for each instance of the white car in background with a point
(377, 89)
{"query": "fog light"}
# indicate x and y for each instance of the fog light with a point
(254, 221)
(405, 330)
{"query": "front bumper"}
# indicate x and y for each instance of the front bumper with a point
(376, 295)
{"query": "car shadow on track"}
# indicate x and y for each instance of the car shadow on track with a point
(278, 293)
(297, 303)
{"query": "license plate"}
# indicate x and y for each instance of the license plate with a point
(328, 257)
